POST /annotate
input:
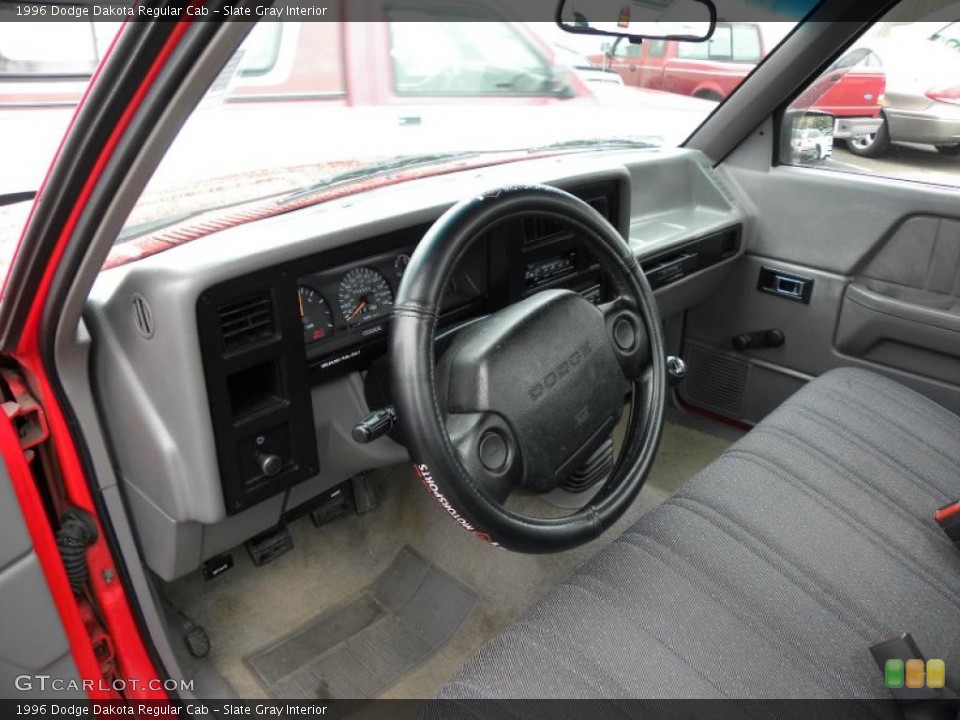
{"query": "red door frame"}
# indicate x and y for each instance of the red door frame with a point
(132, 656)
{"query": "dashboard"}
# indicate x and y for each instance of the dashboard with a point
(268, 336)
(276, 331)
(345, 309)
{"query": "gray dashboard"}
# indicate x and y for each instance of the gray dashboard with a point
(164, 391)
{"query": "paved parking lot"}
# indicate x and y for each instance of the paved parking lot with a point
(912, 162)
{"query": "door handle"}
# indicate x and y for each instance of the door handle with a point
(785, 285)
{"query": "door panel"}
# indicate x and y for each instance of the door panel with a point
(32, 639)
(884, 259)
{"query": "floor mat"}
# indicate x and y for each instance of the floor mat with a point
(364, 646)
(248, 608)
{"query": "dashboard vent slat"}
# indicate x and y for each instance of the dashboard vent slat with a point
(142, 316)
(246, 322)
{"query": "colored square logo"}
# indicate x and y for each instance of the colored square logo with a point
(936, 674)
(893, 673)
(915, 673)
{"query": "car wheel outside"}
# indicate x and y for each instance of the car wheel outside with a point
(708, 95)
(872, 145)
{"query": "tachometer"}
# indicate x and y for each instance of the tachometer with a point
(315, 314)
(364, 295)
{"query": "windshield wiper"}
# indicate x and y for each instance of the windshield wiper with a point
(638, 143)
(403, 162)
(17, 197)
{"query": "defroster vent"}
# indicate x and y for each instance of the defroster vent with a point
(246, 322)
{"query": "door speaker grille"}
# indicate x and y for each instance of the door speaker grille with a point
(716, 380)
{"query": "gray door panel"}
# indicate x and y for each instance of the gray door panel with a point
(32, 639)
(884, 257)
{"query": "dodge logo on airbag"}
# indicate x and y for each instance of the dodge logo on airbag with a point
(553, 378)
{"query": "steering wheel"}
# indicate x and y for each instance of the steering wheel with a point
(523, 397)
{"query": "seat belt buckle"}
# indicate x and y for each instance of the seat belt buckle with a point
(948, 518)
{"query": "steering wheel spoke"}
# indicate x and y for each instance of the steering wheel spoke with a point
(628, 336)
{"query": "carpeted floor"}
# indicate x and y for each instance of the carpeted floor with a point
(249, 609)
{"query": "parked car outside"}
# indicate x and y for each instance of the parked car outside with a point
(425, 70)
(922, 99)
(712, 70)
(812, 144)
(584, 68)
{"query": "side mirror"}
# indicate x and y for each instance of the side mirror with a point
(806, 137)
(686, 20)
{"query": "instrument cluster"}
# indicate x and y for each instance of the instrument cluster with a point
(349, 301)
(344, 308)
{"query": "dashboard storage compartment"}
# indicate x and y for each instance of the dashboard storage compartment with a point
(675, 265)
(255, 388)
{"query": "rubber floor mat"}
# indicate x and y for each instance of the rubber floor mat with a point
(361, 648)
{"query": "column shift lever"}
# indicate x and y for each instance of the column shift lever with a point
(676, 370)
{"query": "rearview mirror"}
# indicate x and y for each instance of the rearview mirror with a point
(687, 20)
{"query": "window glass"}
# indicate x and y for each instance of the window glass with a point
(719, 47)
(462, 56)
(736, 43)
(53, 48)
(657, 48)
(261, 49)
(305, 102)
(949, 35)
(626, 49)
(889, 107)
(746, 43)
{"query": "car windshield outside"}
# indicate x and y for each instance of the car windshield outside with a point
(307, 106)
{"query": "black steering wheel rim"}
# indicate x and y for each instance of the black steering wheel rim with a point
(413, 372)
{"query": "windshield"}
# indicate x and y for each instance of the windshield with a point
(312, 106)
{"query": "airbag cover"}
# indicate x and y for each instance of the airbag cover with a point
(546, 366)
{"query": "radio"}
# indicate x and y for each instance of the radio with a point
(542, 272)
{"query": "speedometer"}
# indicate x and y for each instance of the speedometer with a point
(364, 295)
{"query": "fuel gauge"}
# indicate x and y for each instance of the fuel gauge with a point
(315, 314)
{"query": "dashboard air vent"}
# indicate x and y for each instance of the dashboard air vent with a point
(245, 322)
(142, 316)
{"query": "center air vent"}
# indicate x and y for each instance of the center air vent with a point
(245, 322)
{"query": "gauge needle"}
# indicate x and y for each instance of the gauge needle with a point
(357, 310)
(300, 300)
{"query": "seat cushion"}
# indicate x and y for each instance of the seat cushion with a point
(769, 574)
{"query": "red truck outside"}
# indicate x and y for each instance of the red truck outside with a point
(853, 94)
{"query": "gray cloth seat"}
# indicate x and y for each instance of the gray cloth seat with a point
(770, 574)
